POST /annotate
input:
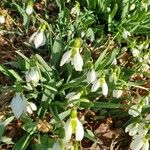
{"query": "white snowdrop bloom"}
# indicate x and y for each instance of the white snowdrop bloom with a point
(91, 76)
(76, 59)
(2, 19)
(126, 34)
(95, 86)
(31, 107)
(73, 96)
(132, 129)
(32, 76)
(38, 38)
(18, 105)
(73, 125)
(104, 88)
(135, 110)
(135, 52)
(145, 67)
(29, 9)
(117, 93)
(139, 143)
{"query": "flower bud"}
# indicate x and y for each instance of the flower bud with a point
(33, 76)
(91, 76)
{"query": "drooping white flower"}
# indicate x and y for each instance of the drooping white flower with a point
(135, 52)
(73, 96)
(31, 107)
(135, 110)
(95, 86)
(125, 34)
(2, 19)
(18, 105)
(104, 88)
(73, 125)
(117, 93)
(33, 76)
(76, 59)
(132, 129)
(38, 38)
(29, 9)
(139, 143)
(91, 76)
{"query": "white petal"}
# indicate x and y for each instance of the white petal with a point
(79, 133)
(91, 76)
(104, 89)
(68, 131)
(56, 146)
(29, 9)
(73, 96)
(65, 58)
(117, 93)
(29, 110)
(33, 106)
(77, 61)
(18, 105)
(32, 37)
(142, 130)
(146, 145)
(2, 19)
(126, 34)
(132, 129)
(39, 39)
(134, 111)
(95, 86)
(137, 143)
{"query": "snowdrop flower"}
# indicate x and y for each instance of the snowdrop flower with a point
(2, 19)
(29, 9)
(38, 38)
(132, 128)
(147, 117)
(125, 34)
(91, 76)
(135, 110)
(73, 96)
(117, 93)
(18, 105)
(73, 125)
(69, 130)
(31, 107)
(139, 142)
(104, 88)
(95, 86)
(33, 76)
(75, 59)
(135, 52)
